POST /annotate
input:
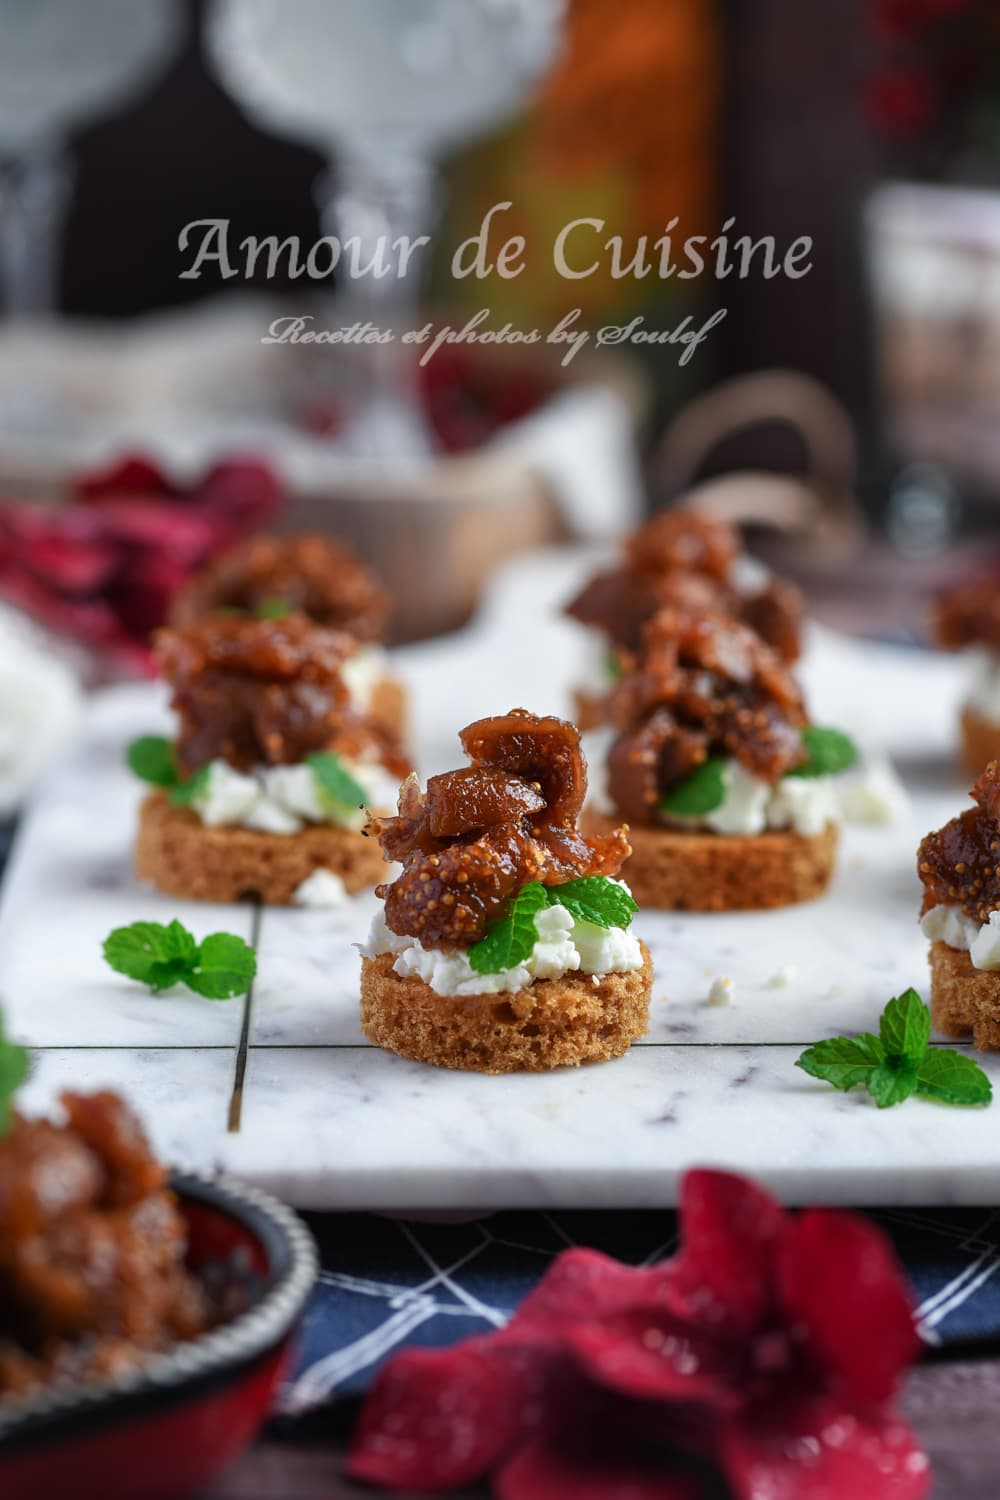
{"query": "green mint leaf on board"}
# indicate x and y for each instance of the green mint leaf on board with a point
(844, 1061)
(161, 956)
(905, 1026)
(13, 1072)
(152, 760)
(510, 941)
(226, 967)
(828, 752)
(595, 899)
(274, 609)
(185, 792)
(151, 953)
(893, 1081)
(899, 1061)
(334, 781)
(701, 792)
(952, 1078)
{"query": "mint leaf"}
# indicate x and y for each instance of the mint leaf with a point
(612, 666)
(843, 1061)
(596, 899)
(334, 782)
(899, 1061)
(185, 792)
(893, 1081)
(701, 792)
(905, 1026)
(226, 966)
(274, 609)
(13, 1072)
(952, 1078)
(828, 751)
(151, 953)
(152, 760)
(220, 967)
(510, 941)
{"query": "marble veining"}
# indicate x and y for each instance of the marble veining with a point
(329, 1121)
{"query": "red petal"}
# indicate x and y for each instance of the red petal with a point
(572, 1471)
(645, 1354)
(821, 1452)
(580, 1285)
(839, 1277)
(724, 1270)
(245, 490)
(132, 475)
(437, 1418)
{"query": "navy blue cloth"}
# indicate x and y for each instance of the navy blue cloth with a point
(387, 1284)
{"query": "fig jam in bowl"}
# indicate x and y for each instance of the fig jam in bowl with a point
(162, 1428)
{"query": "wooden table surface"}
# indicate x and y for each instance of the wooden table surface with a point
(954, 1406)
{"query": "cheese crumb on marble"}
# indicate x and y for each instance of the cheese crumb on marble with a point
(721, 992)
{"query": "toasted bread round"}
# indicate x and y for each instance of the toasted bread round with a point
(680, 870)
(388, 707)
(550, 1023)
(980, 741)
(964, 999)
(181, 856)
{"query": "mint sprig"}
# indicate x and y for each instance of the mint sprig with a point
(899, 1061)
(161, 956)
(700, 793)
(592, 898)
(828, 752)
(334, 781)
(152, 759)
(13, 1072)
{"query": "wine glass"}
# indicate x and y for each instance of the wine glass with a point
(386, 86)
(61, 64)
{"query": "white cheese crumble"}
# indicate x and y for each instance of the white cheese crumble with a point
(563, 946)
(283, 799)
(721, 992)
(749, 805)
(322, 889)
(984, 691)
(783, 977)
(950, 925)
(362, 674)
(872, 793)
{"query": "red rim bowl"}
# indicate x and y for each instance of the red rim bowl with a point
(163, 1431)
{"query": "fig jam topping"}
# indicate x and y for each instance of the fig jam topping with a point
(264, 692)
(478, 835)
(681, 558)
(310, 573)
(703, 684)
(969, 616)
(959, 865)
(92, 1277)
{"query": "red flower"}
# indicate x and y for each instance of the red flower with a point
(103, 570)
(767, 1353)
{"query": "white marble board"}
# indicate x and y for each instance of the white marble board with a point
(328, 1121)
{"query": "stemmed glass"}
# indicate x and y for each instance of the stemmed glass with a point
(384, 86)
(61, 64)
